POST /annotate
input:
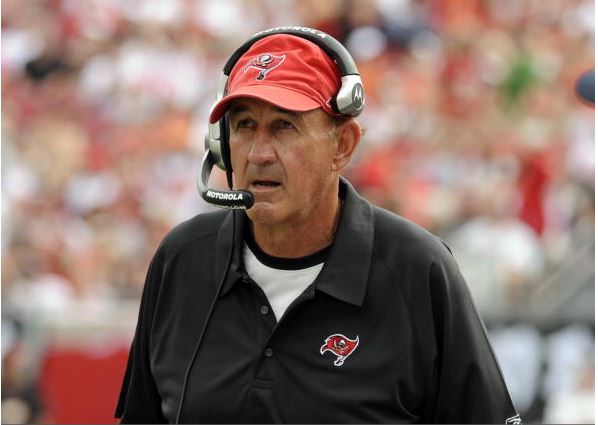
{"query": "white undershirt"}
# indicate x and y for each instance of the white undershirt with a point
(281, 287)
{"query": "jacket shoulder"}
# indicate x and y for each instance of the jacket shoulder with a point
(398, 241)
(198, 227)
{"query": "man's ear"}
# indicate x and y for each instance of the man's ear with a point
(348, 137)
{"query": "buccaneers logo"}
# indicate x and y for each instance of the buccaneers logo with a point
(341, 346)
(264, 63)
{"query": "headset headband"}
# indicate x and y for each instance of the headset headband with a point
(330, 45)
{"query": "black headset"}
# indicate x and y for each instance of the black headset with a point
(349, 101)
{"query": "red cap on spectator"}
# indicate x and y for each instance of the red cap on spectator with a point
(284, 70)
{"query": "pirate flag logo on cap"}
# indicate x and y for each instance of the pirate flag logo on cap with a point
(264, 63)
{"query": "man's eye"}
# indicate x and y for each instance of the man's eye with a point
(285, 125)
(245, 123)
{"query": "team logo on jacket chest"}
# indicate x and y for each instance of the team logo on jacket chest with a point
(341, 346)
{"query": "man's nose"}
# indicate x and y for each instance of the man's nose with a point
(262, 151)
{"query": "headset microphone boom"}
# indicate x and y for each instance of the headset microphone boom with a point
(232, 199)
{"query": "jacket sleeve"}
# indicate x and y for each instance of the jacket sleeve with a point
(139, 400)
(469, 384)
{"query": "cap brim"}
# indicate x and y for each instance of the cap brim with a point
(279, 96)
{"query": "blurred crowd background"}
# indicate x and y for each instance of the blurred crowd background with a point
(473, 131)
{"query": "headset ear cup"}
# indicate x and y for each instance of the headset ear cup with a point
(350, 99)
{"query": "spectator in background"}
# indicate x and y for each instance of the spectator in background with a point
(585, 86)
(21, 403)
(569, 385)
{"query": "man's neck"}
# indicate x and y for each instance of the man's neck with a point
(294, 240)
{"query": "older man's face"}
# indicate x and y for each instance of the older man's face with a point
(284, 158)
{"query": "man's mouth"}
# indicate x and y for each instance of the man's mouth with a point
(263, 184)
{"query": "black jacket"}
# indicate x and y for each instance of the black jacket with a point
(387, 332)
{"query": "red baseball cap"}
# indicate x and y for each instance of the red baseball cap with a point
(284, 70)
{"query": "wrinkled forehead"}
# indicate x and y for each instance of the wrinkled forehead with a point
(244, 104)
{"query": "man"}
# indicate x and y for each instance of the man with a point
(313, 305)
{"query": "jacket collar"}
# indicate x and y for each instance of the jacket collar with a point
(345, 272)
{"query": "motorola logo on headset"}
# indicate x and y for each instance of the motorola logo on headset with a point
(357, 93)
(224, 196)
(286, 30)
(349, 101)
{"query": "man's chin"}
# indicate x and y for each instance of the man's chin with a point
(264, 212)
